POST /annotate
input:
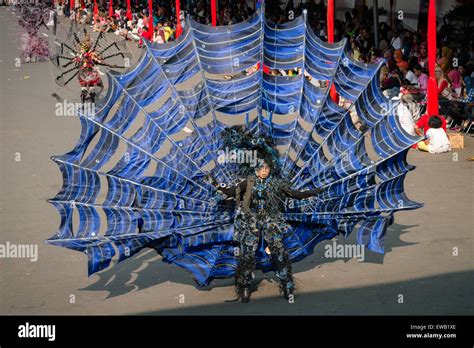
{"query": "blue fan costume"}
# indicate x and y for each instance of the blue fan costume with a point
(157, 194)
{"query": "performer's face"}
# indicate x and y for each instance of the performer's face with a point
(263, 172)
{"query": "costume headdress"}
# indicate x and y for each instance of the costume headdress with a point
(238, 139)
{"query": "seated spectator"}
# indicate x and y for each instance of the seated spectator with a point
(437, 141)
(423, 125)
(407, 45)
(159, 34)
(390, 82)
(408, 74)
(455, 77)
(365, 41)
(398, 56)
(444, 89)
(145, 35)
(423, 55)
(446, 59)
(406, 119)
(356, 52)
(375, 56)
(396, 42)
(416, 93)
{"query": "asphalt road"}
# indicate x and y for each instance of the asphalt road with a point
(421, 265)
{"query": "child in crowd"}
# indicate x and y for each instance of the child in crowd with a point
(437, 141)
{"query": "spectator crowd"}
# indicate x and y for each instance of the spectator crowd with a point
(404, 50)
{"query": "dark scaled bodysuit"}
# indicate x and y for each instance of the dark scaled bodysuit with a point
(259, 206)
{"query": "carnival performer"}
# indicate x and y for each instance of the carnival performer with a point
(259, 202)
(33, 47)
(88, 76)
(82, 58)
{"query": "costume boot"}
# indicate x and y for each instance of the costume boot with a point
(244, 294)
(244, 274)
(83, 96)
(283, 273)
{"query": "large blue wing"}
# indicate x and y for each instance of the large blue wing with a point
(135, 176)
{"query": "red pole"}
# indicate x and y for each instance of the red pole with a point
(111, 8)
(179, 29)
(432, 83)
(330, 20)
(71, 5)
(330, 29)
(96, 8)
(214, 12)
(83, 5)
(150, 14)
(129, 11)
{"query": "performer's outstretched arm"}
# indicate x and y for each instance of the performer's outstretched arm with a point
(229, 191)
(301, 194)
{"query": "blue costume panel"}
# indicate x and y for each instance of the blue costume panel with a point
(134, 181)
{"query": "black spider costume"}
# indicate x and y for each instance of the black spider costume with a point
(259, 203)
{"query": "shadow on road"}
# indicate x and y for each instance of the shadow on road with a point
(146, 269)
(421, 296)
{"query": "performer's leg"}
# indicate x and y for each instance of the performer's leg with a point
(422, 146)
(282, 263)
(83, 95)
(97, 89)
(92, 94)
(246, 265)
